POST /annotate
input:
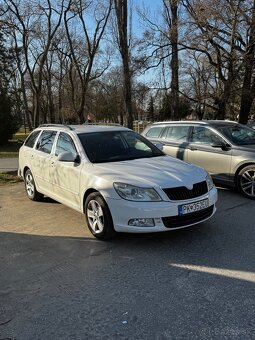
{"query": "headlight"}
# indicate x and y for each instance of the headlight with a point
(133, 193)
(209, 182)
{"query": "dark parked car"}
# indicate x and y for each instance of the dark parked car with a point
(225, 149)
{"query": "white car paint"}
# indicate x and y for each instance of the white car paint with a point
(68, 182)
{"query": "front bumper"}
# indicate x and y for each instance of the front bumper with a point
(122, 211)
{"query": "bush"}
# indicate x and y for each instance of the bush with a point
(9, 122)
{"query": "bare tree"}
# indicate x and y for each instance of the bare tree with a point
(37, 24)
(84, 49)
(248, 88)
(22, 70)
(121, 10)
(171, 9)
(106, 96)
(215, 34)
(161, 43)
(199, 84)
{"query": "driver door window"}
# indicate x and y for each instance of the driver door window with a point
(65, 143)
(202, 135)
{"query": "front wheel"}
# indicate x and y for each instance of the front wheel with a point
(98, 217)
(246, 181)
(30, 187)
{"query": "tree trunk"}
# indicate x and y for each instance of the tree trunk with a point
(80, 115)
(174, 61)
(222, 101)
(25, 104)
(121, 16)
(246, 104)
(221, 110)
(60, 105)
(248, 94)
(50, 98)
(128, 93)
(37, 109)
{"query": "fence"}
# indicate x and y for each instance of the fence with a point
(139, 126)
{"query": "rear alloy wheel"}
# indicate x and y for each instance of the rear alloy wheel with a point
(98, 217)
(30, 187)
(246, 181)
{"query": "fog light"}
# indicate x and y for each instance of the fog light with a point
(141, 222)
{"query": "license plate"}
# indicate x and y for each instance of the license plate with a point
(193, 207)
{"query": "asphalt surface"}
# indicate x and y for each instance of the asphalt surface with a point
(9, 164)
(58, 282)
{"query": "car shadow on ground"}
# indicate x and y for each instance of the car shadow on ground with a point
(46, 199)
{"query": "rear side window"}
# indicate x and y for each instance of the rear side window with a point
(30, 141)
(178, 133)
(154, 132)
(46, 141)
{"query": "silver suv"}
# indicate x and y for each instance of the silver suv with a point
(225, 149)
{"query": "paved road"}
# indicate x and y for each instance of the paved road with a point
(9, 164)
(57, 282)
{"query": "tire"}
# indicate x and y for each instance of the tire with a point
(30, 187)
(98, 217)
(246, 181)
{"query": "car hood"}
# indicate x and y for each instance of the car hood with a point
(164, 172)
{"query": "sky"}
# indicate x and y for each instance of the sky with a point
(152, 6)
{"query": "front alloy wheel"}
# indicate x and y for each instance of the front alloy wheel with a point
(30, 187)
(98, 217)
(246, 181)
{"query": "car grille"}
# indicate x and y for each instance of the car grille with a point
(182, 193)
(181, 221)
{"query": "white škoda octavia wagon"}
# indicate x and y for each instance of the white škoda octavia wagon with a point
(116, 177)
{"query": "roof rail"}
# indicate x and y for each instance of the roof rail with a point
(102, 123)
(192, 121)
(56, 125)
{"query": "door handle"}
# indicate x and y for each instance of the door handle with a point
(192, 148)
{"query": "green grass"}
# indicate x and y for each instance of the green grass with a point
(6, 154)
(9, 178)
(11, 149)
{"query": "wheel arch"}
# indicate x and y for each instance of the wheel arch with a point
(108, 226)
(240, 168)
(25, 170)
(86, 194)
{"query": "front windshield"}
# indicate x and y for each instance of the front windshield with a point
(238, 134)
(115, 146)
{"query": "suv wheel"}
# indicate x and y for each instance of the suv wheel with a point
(30, 187)
(246, 181)
(98, 217)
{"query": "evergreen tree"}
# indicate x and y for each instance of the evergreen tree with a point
(184, 108)
(150, 109)
(165, 110)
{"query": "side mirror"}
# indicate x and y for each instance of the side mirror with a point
(159, 146)
(221, 145)
(67, 156)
